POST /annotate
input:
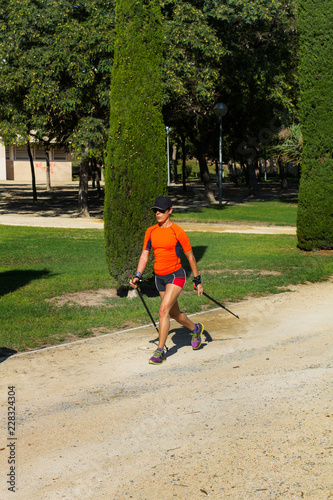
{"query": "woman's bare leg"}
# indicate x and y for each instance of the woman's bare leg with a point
(181, 317)
(170, 308)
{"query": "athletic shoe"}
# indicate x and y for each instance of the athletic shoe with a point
(157, 358)
(197, 336)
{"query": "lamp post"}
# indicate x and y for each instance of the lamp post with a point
(168, 130)
(220, 110)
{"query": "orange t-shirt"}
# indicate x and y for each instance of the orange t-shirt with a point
(167, 243)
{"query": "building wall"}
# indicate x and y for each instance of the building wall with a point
(15, 165)
(9, 171)
(59, 171)
(2, 162)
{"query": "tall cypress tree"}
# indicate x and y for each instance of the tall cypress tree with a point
(136, 170)
(315, 211)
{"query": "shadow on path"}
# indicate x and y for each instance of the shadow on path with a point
(6, 353)
(181, 337)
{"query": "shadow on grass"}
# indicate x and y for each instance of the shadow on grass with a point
(288, 199)
(13, 280)
(199, 210)
(199, 252)
(148, 288)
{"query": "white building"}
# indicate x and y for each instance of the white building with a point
(15, 164)
(3, 173)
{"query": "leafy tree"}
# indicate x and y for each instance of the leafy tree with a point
(135, 167)
(74, 75)
(238, 52)
(289, 147)
(192, 58)
(261, 83)
(56, 58)
(15, 122)
(55, 70)
(291, 143)
(315, 210)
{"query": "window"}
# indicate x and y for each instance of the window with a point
(59, 155)
(39, 154)
(21, 153)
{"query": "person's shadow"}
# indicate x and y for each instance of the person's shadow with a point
(181, 337)
(18, 278)
(11, 281)
(6, 353)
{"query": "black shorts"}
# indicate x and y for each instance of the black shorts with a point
(177, 278)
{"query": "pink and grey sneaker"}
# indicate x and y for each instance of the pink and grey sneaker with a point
(157, 358)
(197, 336)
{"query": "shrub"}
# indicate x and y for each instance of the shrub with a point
(136, 164)
(315, 212)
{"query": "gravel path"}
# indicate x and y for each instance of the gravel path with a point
(92, 223)
(59, 208)
(248, 416)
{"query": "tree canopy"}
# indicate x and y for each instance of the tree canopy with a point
(238, 52)
(55, 70)
(56, 59)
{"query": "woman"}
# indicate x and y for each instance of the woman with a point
(167, 240)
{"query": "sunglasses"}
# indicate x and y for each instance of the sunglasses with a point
(155, 210)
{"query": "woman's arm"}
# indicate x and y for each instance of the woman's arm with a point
(141, 267)
(194, 268)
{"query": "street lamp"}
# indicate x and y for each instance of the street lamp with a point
(168, 130)
(220, 110)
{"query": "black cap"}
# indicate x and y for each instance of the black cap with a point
(162, 203)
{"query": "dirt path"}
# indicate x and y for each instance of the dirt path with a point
(246, 417)
(81, 223)
(59, 207)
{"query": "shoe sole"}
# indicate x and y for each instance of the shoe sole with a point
(202, 330)
(153, 363)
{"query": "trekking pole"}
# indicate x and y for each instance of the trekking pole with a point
(146, 307)
(218, 303)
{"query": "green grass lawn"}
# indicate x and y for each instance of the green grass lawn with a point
(281, 212)
(38, 264)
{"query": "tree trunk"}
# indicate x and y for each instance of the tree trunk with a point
(204, 174)
(254, 190)
(92, 170)
(83, 189)
(184, 163)
(200, 148)
(33, 177)
(245, 172)
(96, 176)
(174, 163)
(283, 175)
(48, 174)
